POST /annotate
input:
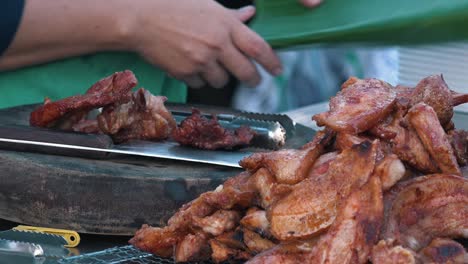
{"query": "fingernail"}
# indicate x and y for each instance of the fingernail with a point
(247, 9)
(311, 3)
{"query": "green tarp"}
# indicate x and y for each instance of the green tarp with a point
(285, 23)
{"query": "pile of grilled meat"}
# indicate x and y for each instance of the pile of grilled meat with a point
(380, 183)
(127, 115)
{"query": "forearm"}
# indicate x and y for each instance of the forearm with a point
(196, 41)
(56, 29)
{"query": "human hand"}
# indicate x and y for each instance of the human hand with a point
(199, 41)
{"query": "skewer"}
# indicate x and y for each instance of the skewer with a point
(459, 98)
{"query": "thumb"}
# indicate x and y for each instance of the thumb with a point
(311, 3)
(245, 13)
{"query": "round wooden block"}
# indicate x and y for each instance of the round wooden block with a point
(114, 196)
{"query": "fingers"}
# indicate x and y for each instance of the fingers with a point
(248, 45)
(215, 75)
(231, 48)
(194, 81)
(245, 13)
(254, 47)
(239, 65)
(311, 3)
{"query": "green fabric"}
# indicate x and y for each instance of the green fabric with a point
(74, 76)
(286, 23)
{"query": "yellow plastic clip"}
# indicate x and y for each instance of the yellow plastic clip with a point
(72, 237)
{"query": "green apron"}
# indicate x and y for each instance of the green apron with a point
(74, 76)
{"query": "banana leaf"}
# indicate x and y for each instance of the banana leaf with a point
(285, 23)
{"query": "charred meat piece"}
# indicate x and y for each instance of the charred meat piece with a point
(387, 128)
(182, 219)
(236, 192)
(256, 220)
(345, 141)
(442, 250)
(384, 130)
(406, 143)
(312, 205)
(409, 148)
(404, 92)
(459, 141)
(387, 252)
(222, 252)
(356, 229)
(322, 165)
(256, 243)
(144, 117)
(433, 91)
(159, 241)
(390, 170)
(424, 120)
(162, 241)
(200, 132)
(197, 247)
(233, 239)
(289, 166)
(87, 126)
(219, 222)
(194, 247)
(308, 209)
(353, 167)
(359, 106)
(426, 207)
(113, 89)
(125, 115)
(286, 253)
(268, 189)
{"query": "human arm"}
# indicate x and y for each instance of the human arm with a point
(196, 41)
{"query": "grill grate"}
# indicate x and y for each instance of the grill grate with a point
(119, 255)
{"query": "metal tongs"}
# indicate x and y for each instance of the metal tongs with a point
(268, 134)
(20, 247)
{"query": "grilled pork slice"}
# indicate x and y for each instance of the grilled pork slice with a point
(427, 207)
(359, 106)
(424, 120)
(143, 117)
(312, 205)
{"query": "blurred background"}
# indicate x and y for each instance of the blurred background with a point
(314, 74)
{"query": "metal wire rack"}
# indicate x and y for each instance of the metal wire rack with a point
(120, 255)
